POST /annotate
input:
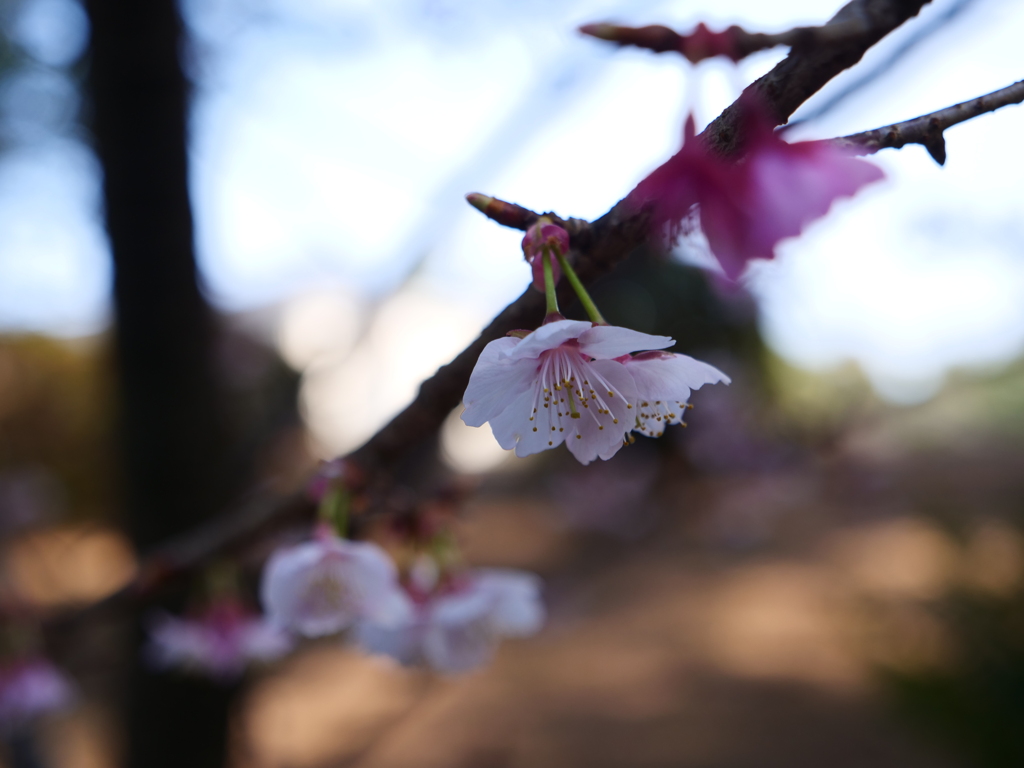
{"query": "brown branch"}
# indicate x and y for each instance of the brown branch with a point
(927, 130)
(804, 72)
(734, 43)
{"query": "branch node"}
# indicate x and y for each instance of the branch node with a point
(935, 142)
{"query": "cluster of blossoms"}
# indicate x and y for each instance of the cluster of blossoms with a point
(587, 384)
(458, 619)
(220, 643)
(451, 621)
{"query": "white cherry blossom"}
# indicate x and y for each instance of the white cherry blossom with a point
(457, 627)
(560, 383)
(663, 383)
(329, 584)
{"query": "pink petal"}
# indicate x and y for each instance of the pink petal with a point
(776, 192)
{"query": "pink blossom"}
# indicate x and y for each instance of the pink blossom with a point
(537, 236)
(30, 688)
(673, 189)
(221, 643)
(663, 384)
(747, 207)
(561, 383)
(326, 585)
(457, 627)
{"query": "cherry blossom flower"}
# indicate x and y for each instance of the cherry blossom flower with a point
(537, 236)
(457, 627)
(30, 688)
(675, 188)
(747, 207)
(221, 643)
(560, 383)
(329, 584)
(775, 192)
(663, 383)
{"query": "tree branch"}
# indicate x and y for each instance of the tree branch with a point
(927, 130)
(804, 72)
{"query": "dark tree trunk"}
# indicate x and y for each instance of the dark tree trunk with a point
(171, 420)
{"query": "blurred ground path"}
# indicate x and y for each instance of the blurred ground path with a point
(742, 631)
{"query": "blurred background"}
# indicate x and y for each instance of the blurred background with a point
(825, 567)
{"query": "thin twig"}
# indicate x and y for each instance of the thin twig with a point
(880, 67)
(734, 43)
(927, 130)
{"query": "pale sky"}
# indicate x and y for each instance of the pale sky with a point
(333, 142)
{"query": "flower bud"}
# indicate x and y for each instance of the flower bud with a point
(541, 234)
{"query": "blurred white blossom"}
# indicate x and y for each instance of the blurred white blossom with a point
(457, 627)
(329, 584)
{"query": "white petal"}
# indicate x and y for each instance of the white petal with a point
(672, 378)
(262, 641)
(459, 636)
(517, 609)
(530, 425)
(604, 342)
(400, 643)
(495, 382)
(375, 579)
(282, 579)
(663, 387)
(459, 647)
(607, 387)
(547, 337)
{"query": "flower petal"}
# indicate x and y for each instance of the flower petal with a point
(608, 415)
(374, 577)
(663, 384)
(280, 585)
(671, 376)
(459, 636)
(517, 610)
(547, 337)
(605, 342)
(495, 382)
(530, 425)
(400, 643)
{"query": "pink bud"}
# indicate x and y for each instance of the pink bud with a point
(537, 236)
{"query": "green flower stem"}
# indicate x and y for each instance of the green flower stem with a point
(549, 282)
(588, 303)
(334, 510)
